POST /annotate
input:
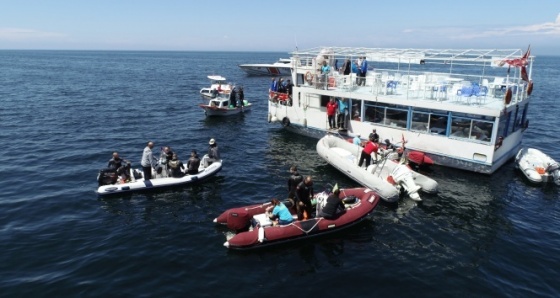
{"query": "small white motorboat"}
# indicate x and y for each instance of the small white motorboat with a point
(218, 86)
(111, 184)
(537, 166)
(388, 177)
(227, 104)
(280, 68)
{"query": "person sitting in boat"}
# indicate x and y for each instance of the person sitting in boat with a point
(295, 179)
(334, 206)
(120, 166)
(304, 194)
(168, 153)
(193, 163)
(213, 152)
(219, 89)
(214, 93)
(279, 213)
(176, 166)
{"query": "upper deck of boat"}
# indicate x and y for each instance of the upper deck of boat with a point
(445, 79)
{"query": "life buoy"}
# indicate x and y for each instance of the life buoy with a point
(308, 77)
(530, 88)
(285, 122)
(507, 97)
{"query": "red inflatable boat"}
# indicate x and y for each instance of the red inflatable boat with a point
(254, 229)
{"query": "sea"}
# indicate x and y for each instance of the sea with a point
(63, 113)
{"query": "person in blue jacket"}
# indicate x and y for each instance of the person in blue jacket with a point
(279, 212)
(363, 72)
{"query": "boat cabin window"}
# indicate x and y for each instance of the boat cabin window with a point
(356, 109)
(325, 100)
(472, 127)
(389, 115)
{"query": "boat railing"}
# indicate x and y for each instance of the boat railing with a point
(438, 86)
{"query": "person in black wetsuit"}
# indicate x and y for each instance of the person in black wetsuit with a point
(120, 166)
(193, 163)
(334, 206)
(293, 181)
(304, 193)
(175, 167)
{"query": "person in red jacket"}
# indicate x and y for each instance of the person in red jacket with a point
(369, 148)
(332, 107)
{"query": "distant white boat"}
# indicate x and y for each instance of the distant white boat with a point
(218, 86)
(280, 68)
(227, 104)
(537, 166)
(387, 177)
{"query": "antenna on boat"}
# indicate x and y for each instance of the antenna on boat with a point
(295, 39)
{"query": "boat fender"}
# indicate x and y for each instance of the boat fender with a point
(269, 117)
(308, 77)
(507, 97)
(261, 234)
(526, 124)
(530, 88)
(285, 122)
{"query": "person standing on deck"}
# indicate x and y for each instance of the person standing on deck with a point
(342, 113)
(363, 72)
(332, 107)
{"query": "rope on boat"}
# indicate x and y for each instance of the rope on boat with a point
(307, 232)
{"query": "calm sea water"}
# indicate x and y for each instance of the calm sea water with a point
(62, 113)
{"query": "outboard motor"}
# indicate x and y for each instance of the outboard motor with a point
(554, 171)
(107, 176)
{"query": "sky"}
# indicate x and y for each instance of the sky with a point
(279, 26)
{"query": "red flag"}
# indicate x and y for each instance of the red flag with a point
(519, 62)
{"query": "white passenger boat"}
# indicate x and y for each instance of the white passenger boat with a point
(217, 87)
(453, 105)
(388, 177)
(280, 68)
(110, 184)
(537, 166)
(227, 104)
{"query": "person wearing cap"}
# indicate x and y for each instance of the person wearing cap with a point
(213, 152)
(193, 163)
(334, 206)
(148, 161)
